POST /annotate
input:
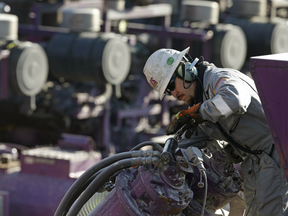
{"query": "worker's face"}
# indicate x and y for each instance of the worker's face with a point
(182, 94)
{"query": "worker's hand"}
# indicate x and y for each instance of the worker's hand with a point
(183, 117)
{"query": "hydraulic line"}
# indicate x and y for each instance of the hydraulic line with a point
(206, 191)
(84, 186)
(94, 200)
(92, 178)
(105, 175)
(195, 157)
(140, 145)
(74, 191)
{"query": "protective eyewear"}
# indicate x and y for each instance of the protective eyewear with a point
(171, 85)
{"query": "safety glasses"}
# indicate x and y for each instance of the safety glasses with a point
(171, 85)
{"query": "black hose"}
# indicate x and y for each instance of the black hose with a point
(84, 186)
(102, 178)
(78, 186)
(146, 143)
(92, 178)
(83, 181)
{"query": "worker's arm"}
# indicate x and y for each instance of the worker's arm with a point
(231, 96)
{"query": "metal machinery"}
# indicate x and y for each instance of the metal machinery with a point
(72, 92)
(65, 30)
(264, 24)
(87, 90)
(166, 181)
(63, 94)
(36, 183)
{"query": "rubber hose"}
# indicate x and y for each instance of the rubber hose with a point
(84, 186)
(76, 189)
(103, 177)
(205, 193)
(140, 145)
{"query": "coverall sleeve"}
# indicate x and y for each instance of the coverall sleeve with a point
(230, 95)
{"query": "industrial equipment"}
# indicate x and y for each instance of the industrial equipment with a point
(34, 180)
(96, 51)
(162, 181)
(72, 93)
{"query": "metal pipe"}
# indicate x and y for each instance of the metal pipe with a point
(103, 98)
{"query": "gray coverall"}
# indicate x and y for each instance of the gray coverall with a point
(230, 98)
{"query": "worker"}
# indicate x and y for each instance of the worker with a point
(225, 105)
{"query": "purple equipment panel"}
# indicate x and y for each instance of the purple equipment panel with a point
(4, 203)
(270, 73)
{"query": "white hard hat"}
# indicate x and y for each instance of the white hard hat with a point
(160, 67)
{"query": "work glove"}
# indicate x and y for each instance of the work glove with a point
(184, 117)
